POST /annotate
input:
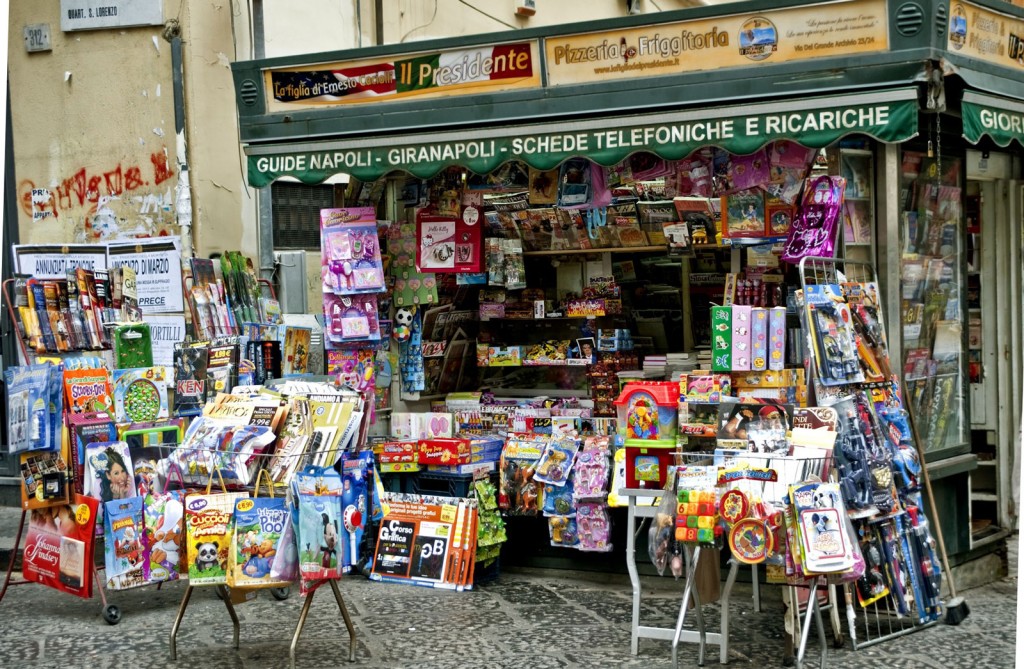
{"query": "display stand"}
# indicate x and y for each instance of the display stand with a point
(278, 593)
(880, 620)
(677, 635)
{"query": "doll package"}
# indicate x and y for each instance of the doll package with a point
(351, 261)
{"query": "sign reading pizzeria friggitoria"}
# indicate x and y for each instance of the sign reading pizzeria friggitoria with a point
(429, 74)
(986, 35)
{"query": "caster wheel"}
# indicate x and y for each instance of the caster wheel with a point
(281, 594)
(112, 614)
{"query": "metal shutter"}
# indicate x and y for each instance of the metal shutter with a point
(296, 212)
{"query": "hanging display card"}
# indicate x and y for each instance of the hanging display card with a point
(446, 244)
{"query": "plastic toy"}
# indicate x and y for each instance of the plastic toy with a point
(648, 410)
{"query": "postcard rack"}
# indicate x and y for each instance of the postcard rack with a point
(189, 480)
(879, 621)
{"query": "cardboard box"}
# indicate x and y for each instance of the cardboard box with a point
(721, 339)
(758, 339)
(777, 338)
(444, 452)
(741, 329)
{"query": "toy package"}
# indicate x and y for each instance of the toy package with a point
(163, 556)
(592, 471)
(449, 244)
(221, 369)
(133, 346)
(558, 500)
(824, 545)
(355, 468)
(594, 527)
(563, 531)
(318, 494)
(351, 261)
(519, 494)
(697, 510)
(209, 523)
(256, 540)
(122, 542)
(88, 390)
(662, 546)
(351, 318)
(556, 462)
(31, 424)
(190, 361)
(140, 395)
(830, 330)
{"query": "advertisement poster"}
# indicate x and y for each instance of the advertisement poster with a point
(425, 541)
(981, 33)
(157, 265)
(59, 546)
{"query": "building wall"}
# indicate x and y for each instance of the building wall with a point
(93, 123)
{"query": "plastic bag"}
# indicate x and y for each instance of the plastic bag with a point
(813, 233)
(661, 537)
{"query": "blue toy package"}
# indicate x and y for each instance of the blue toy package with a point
(355, 468)
(558, 500)
(260, 525)
(123, 547)
(55, 391)
(29, 419)
(318, 522)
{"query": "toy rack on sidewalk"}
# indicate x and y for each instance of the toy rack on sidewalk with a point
(196, 465)
(881, 620)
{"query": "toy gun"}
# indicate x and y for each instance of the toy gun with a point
(855, 482)
(931, 572)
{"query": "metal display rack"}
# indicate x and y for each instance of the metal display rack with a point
(879, 621)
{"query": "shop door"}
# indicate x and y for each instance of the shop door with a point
(995, 217)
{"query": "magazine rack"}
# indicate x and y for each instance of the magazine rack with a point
(879, 621)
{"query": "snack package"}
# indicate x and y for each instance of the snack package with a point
(140, 395)
(163, 554)
(123, 542)
(209, 522)
(258, 536)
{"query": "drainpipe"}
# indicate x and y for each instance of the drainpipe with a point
(378, 17)
(183, 191)
(265, 209)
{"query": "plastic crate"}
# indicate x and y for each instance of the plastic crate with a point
(441, 483)
(399, 483)
(486, 575)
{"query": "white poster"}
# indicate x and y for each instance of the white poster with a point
(157, 265)
(52, 261)
(166, 330)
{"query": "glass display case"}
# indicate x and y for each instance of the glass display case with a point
(932, 296)
(856, 165)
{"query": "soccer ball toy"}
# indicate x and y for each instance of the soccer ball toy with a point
(403, 323)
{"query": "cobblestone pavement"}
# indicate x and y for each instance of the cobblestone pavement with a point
(522, 620)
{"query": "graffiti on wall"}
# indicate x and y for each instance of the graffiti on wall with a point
(123, 201)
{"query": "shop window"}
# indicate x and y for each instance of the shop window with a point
(296, 212)
(932, 289)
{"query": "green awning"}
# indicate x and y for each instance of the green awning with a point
(1001, 119)
(888, 116)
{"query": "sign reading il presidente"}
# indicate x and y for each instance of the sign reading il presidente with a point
(986, 35)
(891, 120)
(775, 36)
(474, 70)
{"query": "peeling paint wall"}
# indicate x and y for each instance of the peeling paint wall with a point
(93, 131)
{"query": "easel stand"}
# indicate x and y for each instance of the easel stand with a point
(344, 614)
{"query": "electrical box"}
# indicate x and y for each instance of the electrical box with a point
(291, 281)
(316, 339)
(526, 7)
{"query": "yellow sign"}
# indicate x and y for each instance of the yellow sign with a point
(481, 69)
(778, 36)
(986, 35)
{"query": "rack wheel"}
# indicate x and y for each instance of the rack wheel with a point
(112, 614)
(281, 594)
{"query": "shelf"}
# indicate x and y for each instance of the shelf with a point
(506, 319)
(550, 364)
(858, 199)
(858, 243)
(986, 463)
(983, 497)
(612, 249)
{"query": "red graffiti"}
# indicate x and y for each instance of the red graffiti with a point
(161, 170)
(83, 189)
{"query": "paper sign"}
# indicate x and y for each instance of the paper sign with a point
(166, 331)
(157, 265)
(52, 261)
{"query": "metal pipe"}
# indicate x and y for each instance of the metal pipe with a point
(183, 191)
(264, 196)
